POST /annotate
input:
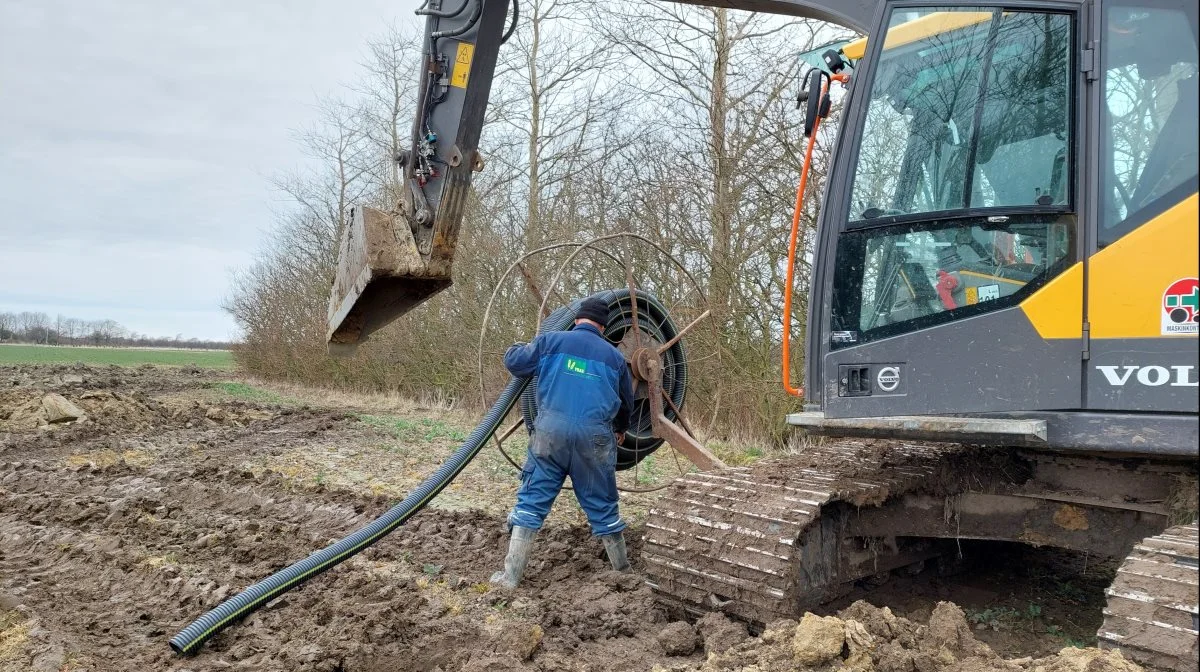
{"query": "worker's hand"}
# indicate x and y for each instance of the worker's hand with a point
(620, 438)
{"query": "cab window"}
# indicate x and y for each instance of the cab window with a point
(962, 200)
(1148, 125)
(908, 277)
(969, 108)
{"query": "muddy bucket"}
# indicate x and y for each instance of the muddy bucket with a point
(381, 275)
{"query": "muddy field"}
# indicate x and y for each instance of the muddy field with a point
(178, 487)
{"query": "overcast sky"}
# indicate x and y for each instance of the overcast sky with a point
(137, 142)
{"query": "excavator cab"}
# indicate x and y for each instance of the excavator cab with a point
(1001, 234)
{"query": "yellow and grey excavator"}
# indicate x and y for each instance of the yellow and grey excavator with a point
(1002, 327)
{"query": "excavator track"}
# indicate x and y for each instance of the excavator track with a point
(771, 541)
(1152, 614)
(732, 540)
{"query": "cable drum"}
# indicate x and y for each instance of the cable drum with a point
(653, 321)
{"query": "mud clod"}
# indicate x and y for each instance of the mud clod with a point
(678, 639)
(859, 647)
(520, 640)
(818, 639)
(948, 630)
(56, 408)
(720, 633)
(882, 624)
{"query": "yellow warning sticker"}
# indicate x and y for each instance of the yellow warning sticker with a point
(972, 296)
(462, 65)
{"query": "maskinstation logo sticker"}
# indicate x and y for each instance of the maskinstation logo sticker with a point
(1181, 307)
(578, 367)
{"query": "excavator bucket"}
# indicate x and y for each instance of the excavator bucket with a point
(380, 276)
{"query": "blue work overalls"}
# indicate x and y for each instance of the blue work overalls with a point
(585, 396)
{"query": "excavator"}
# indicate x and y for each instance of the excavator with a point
(1002, 322)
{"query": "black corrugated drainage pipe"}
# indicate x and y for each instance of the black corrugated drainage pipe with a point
(251, 599)
(653, 319)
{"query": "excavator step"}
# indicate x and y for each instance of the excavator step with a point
(1153, 613)
(1004, 431)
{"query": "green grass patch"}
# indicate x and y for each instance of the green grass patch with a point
(408, 430)
(247, 392)
(993, 617)
(647, 471)
(736, 454)
(53, 354)
(1067, 640)
(1070, 592)
(1001, 617)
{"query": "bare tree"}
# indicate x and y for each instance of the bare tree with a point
(675, 122)
(389, 97)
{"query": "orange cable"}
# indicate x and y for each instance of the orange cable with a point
(791, 268)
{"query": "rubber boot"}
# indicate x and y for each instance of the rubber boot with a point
(519, 545)
(614, 546)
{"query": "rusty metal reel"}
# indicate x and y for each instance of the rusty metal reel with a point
(666, 296)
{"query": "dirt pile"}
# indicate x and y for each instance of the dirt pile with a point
(111, 411)
(864, 638)
(83, 377)
(678, 639)
(30, 410)
(192, 413)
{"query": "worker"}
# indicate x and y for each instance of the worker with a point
(585, 396)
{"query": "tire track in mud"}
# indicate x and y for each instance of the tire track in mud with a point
(124, 555)
(104, 561)
(114, 562)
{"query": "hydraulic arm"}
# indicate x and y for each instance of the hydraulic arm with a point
(390, 262)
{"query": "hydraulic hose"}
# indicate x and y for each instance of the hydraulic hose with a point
(442, 14)
(790, 282)
(455, 32)
(190, 639)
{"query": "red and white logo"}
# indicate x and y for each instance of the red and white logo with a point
(1181, 307)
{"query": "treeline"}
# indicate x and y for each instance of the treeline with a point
(671, 121)
(39, 328)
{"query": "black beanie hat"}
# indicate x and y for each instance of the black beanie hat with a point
(595, 310)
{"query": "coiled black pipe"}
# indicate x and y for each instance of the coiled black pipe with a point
(239, 606)
(653, 320)
(512, 27)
